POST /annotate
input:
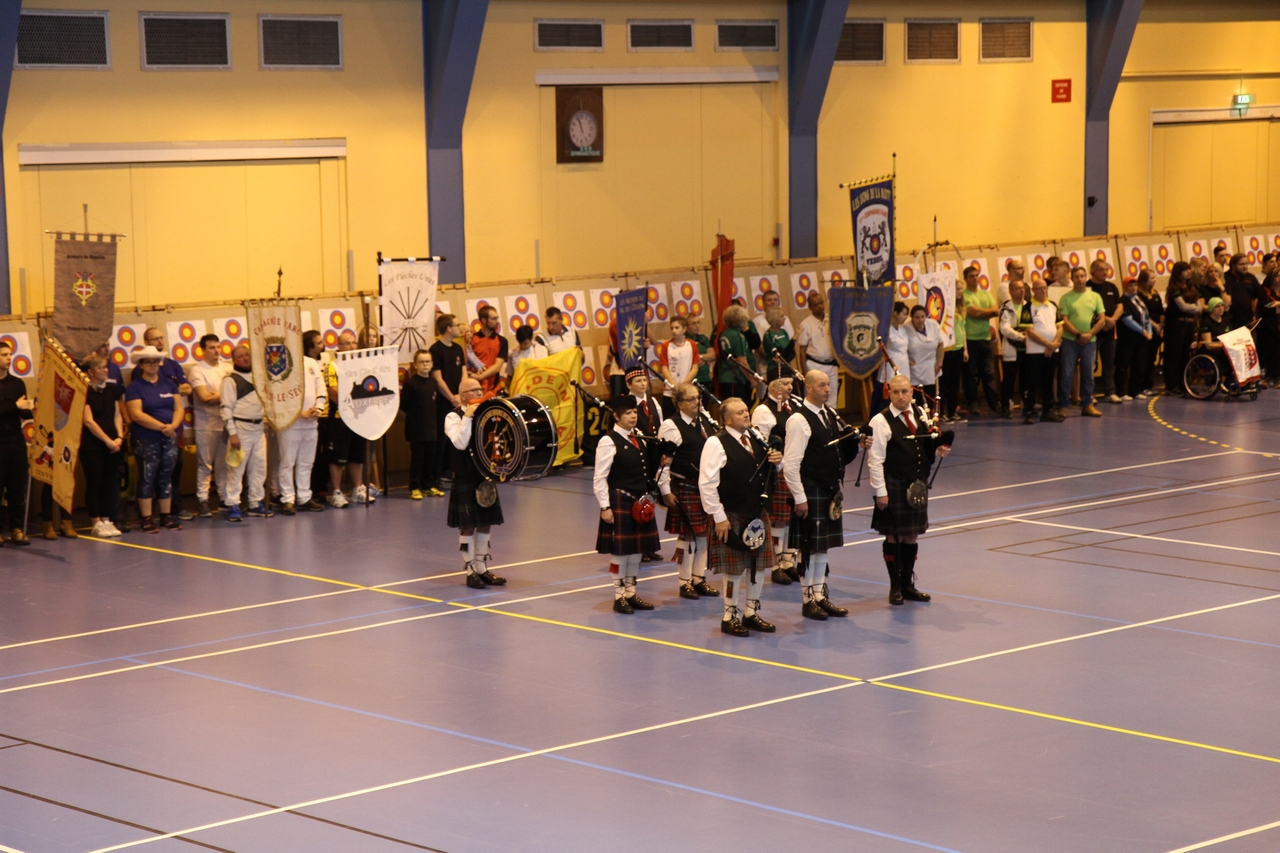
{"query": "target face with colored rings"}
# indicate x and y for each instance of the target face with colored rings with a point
(836, 278)
(21, 365)
(179, 352)
(606, 299)
(662, 312)
(10, 341)
(602, 317)
(801, 299)
(337, 319)
(29, 431)
(522, 304)
(233, 329)
(904, 289)
(588, 376)
(695, 308)
(580, 319)
(225, 349)
(934, 304)
(119, 357)
(330, 339)
(570, 302)
(686, 290)
(187, 332)
(126, 336)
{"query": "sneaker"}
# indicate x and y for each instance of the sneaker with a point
(338, 500)
(100, 530)
(415, 494)
(1114, 398)
(260, 510)
(313, 505)
(1141, 395)
(111, 529)
(362, 496)
(435, 492)
(168, 522)
(205, 511)
(149, 525)
(1127, 398)
(233, 513)
(183, 515)
(374, 493)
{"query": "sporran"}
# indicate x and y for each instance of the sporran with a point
(486, 494)
(918, 495)
(836, 510)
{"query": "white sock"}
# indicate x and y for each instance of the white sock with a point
(684, 559)
(699, 568)
(820, 575)
(753, 593)
(482, 545)
(811, 572)
(732, 594)
(467, 545)
(619, 590)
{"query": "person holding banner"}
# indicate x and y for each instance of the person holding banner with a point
(557, 338)
(297, 442)
(344, 448)
(687, 433)
(621, 483)
(15, 408)
(770, 420)
(813, 345)
(901, 455)
(472, 518)
(242, 413)
(732, 474)
(156, 411)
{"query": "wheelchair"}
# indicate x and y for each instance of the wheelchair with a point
(1206, 375)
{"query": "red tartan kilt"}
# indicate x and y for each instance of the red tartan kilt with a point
(625, 536)
(687, 519)
(730, 561)
(780, 503)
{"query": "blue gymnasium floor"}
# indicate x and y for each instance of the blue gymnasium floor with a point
(1097, 672)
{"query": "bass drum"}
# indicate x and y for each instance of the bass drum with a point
(514, 438)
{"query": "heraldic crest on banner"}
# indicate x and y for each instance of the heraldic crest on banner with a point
(859, 318)
(368, 389)
(275, 345)
(59, 414)
(871, 205)
(631, 322)
(84, 291)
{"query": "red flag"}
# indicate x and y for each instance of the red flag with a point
(721, 278)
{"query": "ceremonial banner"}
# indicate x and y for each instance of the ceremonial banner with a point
(59, 414)
(859, 318)
(1244, 356)
(872, 206)
(548, 379)
(937, 293)
(407, 305)
(84, 293)
(368, 389)
(721, 280)
(275, 342)
(631, 310)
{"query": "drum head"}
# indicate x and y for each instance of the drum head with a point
(514, 438)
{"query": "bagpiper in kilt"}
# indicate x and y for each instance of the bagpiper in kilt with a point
(621, 479)
(817, 451)
(650, 411)
(733, 480)
(682, 437)
(903, 449)
(466, 513)
(770, 420)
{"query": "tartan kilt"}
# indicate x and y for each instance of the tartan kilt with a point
(730, 561)
(899, 518)
(687, 519)
(625, 537)
(465, 513)
(816, 533)
(780, 503)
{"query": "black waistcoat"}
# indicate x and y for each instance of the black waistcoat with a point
(821, 463)
(907, 456)
(779, 415)
(742, 479)
(688, 455)
(628, 471)
(463, 463)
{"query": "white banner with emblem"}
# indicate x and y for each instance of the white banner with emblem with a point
(275, 344)
(368, 389)
(1243, 354)
(408, 305)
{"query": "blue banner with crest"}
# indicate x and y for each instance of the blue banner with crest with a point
(632, 305)
(859, 319)
(872, 207)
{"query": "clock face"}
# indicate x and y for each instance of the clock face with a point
(583, 129)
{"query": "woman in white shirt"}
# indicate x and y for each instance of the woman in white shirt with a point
(924, 351)
(896, 345)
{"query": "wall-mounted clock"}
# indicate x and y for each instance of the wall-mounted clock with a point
(579, 124)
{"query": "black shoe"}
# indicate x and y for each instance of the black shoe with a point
(620, 605)
(754, 621)
(781, 578)
(650, 557)
(895, 594)
(793, 573)
(1029, 419)
(910, 593)
(733, 628)
(638, 603)
(205, 511)
(475, 581)
(1053, 417)
(493, 580)
(168, 522)
(288, 509)
(1006, 414)
(687, 591)
(811, 610)
(831, 609)
(705, 589)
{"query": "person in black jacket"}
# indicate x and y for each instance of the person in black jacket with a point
(15, 407)
(621, 480)
(418, 402)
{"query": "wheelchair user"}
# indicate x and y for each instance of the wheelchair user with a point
(1215, 324)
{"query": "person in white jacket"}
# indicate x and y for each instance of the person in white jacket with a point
(242, 413)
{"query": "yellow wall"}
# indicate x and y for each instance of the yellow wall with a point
(284, 210)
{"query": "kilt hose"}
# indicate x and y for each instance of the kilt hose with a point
(465, 513)
(730, 561)
(780, 503)
(899, 518)
(816, 533)
(625, 536)
(686, 519)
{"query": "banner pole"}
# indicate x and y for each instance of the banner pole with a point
(26, 512)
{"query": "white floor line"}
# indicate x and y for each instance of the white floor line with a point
(1071, 477)
(1125, 535)
(1223, 838)
(477, 766)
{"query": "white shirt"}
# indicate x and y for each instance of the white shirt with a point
(313, 389)
(762, 326)
(605, 451)
(205, 375)
(535, 350)
(897, 347)
(922, 351)
(713, 459)
(1010, 315)
(1044, 320)
(247, 408)
(679, 362)
(458, 428)
(557, 343)
(764, 420)
(798, 434)
(815, 340)
(880, 433)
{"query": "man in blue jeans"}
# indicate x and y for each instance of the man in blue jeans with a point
(1083, 315)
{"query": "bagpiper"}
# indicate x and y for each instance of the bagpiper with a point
(683, 436)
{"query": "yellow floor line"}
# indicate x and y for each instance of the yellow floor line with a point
(1151, 410)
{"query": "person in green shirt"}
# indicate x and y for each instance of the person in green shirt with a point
(953, 362)
(776, 340)
(979, 308)
(1083, 316)
(735, 377)
(706, 356)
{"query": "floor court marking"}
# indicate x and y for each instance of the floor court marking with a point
(1224, 838)
(1122, 533)
(476, 766)
(1151, 410)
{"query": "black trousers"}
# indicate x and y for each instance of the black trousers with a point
(1131, 364)
(980, 364)
(1037, 382)
(952, 372)
(1177, 352)
(13, 481)
(423, 472)
(444, 459)
(1013, 372)
(101, 482)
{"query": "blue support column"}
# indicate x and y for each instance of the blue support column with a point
(451, 31)
(10, 13)
(813, 34)
(1111, 24)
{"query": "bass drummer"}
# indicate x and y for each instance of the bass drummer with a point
(622, 483)
(470, 509)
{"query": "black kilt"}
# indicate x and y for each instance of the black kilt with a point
(899, 518)
(687, 519)
(465, 513)
(625, 537)
(780, 503)
(730, 561)
(816, 533)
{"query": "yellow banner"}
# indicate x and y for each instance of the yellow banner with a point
(549, 380)
(59, 415)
